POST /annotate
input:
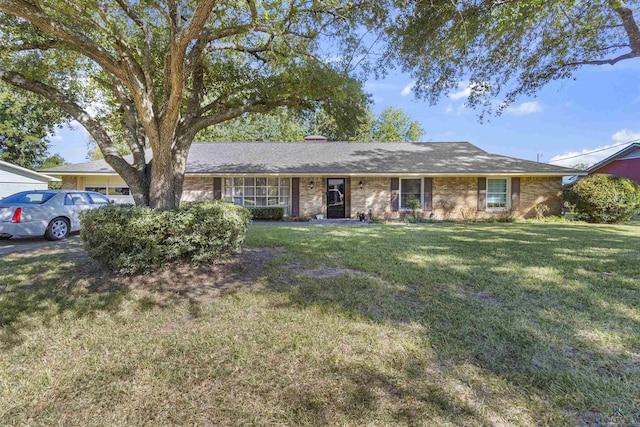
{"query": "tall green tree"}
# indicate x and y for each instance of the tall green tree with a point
(26, 124)
(278, 126)
(285, 126)
(503, 48)
(155, 73)
(52, 162)
(395, 125)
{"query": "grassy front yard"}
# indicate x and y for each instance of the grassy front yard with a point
(432, 324)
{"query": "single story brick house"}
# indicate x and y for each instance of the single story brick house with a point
(340, 179)
(624, 163)
(14, 178)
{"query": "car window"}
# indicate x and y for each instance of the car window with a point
(98, 199)
(29, 198)
(76, 199)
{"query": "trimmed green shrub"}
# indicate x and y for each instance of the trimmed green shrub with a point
(267, 213)
(130, 239)
(604, 198)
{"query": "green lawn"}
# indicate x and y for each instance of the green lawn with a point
(432, 324)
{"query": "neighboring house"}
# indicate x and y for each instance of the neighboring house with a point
(340, 179)
(624, 163)
(14, 179)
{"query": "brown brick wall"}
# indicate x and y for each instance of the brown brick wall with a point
(455, 197)
(462, 194)
(70, 183)
(545, 190)
(313, 201)
(197, 189)
(375, 196)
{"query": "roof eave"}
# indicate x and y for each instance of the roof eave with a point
(612, 158)
(372, 174)
(29, 171)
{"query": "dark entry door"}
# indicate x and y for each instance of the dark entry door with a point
(335, 198)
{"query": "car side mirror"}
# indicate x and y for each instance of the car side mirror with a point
(111, 201)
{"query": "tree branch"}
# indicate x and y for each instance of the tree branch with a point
(175, 64)
(611, 61)
(629, 23)
(134, 133)
(54, 28)
(43, 45)
(250, 106)
(73, 109)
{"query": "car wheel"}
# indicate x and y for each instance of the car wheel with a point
(58, 229)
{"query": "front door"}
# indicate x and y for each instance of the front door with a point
(335, 198)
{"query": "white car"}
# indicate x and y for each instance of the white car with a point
(49, 213)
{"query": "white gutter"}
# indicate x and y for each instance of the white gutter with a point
(29, 171)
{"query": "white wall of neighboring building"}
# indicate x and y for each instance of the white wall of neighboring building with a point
(14, 179)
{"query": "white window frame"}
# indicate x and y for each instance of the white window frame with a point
(400, 193)
(107, 187)
(287, 207)
(507, 195)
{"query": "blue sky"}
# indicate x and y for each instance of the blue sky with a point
(598, 109)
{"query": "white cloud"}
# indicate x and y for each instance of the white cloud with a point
(449, 109)
(464, 93)
(625, 135)
(55, 136)
(465, 89)
(592, 156)
(525, 108)
(408, 88)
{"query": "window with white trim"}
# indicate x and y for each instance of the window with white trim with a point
(109, 191)
(497, 193)
(259, 191)
(410, 188)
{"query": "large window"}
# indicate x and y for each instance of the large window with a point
(410, 189)
(110, 191)
(497, 190)
(258, 192)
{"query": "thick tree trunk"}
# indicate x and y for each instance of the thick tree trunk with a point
(166, 177)
(162, 185)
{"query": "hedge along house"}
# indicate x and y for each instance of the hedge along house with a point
(340, 179)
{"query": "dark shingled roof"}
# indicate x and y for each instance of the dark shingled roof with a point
(431, 158)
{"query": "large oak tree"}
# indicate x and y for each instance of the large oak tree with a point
(153, 73)
(502, 47)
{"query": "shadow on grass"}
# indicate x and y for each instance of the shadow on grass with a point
(550, 309)
(50, 282)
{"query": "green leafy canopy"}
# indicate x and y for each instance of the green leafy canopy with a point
(502, 48)
(26, 125)
(155, 73)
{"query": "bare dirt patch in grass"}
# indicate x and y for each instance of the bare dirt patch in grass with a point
(481, 296)
(202, 281)
(177, 280)
(193, 282)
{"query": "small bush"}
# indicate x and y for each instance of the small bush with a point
(604, 198)
(131, 239)
(541, 210)
(414, 205)
(267, 213)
